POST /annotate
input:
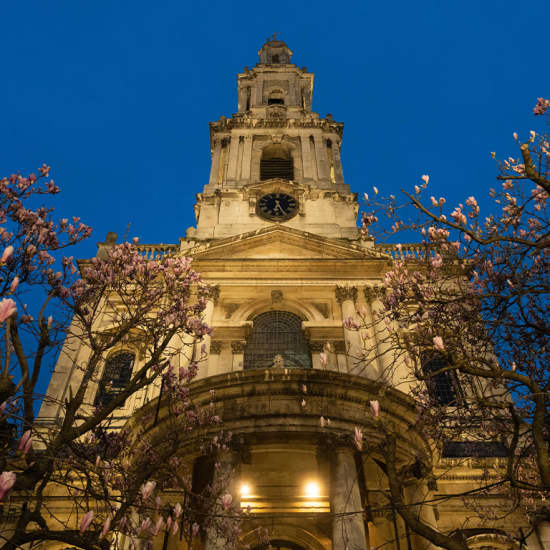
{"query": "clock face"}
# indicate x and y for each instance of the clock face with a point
(277, 207)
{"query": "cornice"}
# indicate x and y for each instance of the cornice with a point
(242, 120)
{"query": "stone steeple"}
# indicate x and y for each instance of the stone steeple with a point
(275, 143)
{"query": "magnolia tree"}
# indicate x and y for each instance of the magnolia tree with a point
(469, 320)
(133, 480)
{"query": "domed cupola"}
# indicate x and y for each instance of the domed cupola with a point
(275, 52)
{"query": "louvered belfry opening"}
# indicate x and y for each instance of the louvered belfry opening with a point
(277, 339)
(276, 162)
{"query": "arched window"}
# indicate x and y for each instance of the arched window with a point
(277, 339)
(115, 378)
(276, 162)
(276, 97)
(441, 385)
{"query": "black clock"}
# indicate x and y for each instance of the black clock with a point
(277, 207)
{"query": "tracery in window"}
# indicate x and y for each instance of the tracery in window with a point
(277, 340)
(115, 378)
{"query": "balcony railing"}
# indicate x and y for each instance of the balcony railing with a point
(406, 251)
(157, 251)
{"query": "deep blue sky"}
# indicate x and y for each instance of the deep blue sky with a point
(116, 95)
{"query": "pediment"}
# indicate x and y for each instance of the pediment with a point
(279, 242)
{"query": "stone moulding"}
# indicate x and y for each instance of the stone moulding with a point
(263, 403)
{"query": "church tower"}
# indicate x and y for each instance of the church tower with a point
(276, 237)
(275, 160)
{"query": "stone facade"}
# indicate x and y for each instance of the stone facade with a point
(313, 266)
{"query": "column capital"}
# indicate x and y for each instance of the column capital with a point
(374, 292)
(211, 293)
(344, 293)
(237, 347)
(215, 348)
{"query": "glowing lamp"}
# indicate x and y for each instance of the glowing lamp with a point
(245, 489)
(313, 490)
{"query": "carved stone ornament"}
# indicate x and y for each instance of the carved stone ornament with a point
(344, 293)
(317, 347)
(276, 296)
(237, 347)
(373, 293)
(278, 361)
(215, 348)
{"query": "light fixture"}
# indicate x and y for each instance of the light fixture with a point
(312, 489)
(245, 489)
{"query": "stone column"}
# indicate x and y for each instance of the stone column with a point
(247, 158)
(214, 169)
(380, 364)
(232, 165)
(204, 344)
(237, 347)
(543, 532)
(226, 472)
(346, 297)
(381, 530)
(420, 492)
(348, 526)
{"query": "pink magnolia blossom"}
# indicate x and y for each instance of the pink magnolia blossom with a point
(7, 308)
(438, 343)
(86, 521)
(227, 499)
(304, 388)
(106, 527)
(158, 526)
(322, 421)
(541, 106)
(147, 489)
(195, 529)
(323, 357)
(177, 510)
(350, 324)
(358, 438)
(426, 178)
(146, 525)
(7, 481)
(14, 284)
(25, 442)
(7, 254)
(375, 406)
(303, 403)
(437, 261)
